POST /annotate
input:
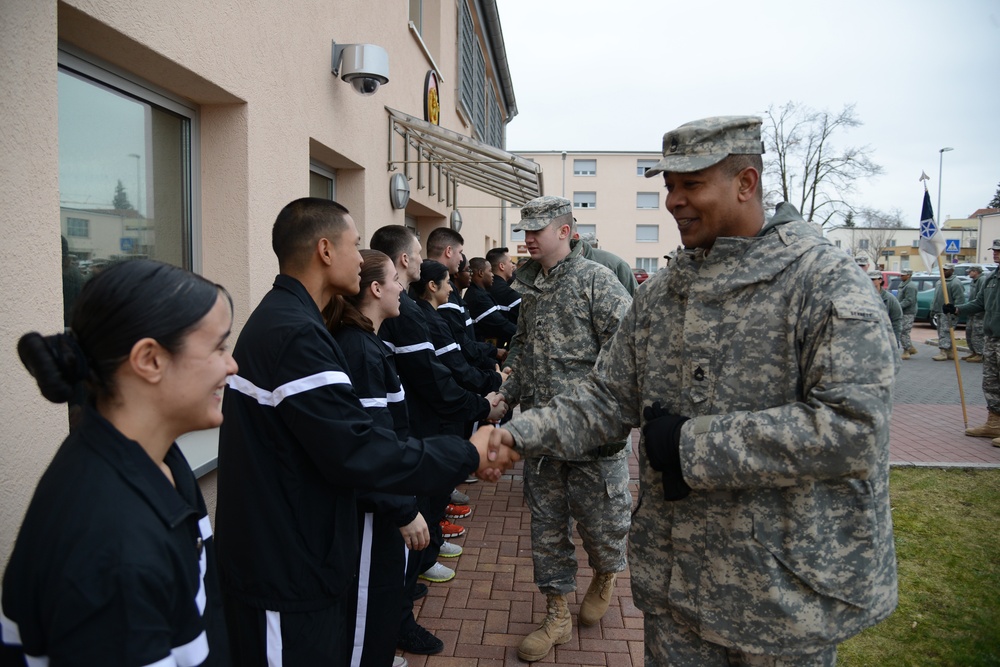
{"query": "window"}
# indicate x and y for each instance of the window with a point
(587, 232)
(863, 244)
(127, 180)
(642, 165)
(892, 243)
(468, 47)
(647, 200)
(837, 243)
(647, 233)
(647, 264)
(322, 181)
(584, 167)
(584, 200)
(494, 128)
(78, 227)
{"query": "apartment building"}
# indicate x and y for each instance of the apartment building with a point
(614, 204)
(177, 130)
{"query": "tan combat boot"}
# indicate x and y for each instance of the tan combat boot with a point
(912, 350)
(941, 356)
(598, 597)
(996, 442)
(991, 429)
(970, 355)
(905, 355)
(557, 628)
(975, 359)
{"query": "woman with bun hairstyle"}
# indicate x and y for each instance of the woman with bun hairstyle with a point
(114, 563)
(390, 524)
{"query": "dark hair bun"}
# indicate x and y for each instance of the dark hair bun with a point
(56, 362)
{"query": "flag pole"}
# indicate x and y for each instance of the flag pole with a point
(954, 349)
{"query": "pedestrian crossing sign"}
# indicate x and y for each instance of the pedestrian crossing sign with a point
(951, 247)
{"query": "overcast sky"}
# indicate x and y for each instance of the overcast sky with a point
(617, 74)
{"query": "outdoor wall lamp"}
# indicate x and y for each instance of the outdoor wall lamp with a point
(364, 66)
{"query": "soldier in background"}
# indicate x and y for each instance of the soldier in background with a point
(618, 265)
(908, 304)
(974, 325)
(760, 367)
(863, 262)
(945, 322)
(571, 306)
(503, 275)
(891, 304)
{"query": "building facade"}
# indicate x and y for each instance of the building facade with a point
(177, 130)
(613, 203)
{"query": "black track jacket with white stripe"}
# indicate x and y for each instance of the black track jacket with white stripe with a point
(295, 444)
(488, 319)
(113, 565)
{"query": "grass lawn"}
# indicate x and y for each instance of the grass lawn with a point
(947, 525)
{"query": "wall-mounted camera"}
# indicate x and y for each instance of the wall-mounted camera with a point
(364, 66)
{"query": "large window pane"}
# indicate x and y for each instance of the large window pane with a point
(647, 200)
(647, 233)
(584, 200)
(124, 179)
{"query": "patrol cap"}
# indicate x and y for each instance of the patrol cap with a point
(539, 212)
(702, 143)
(906, 272)
(862, 260)
(873, 274)
(976, 268)
(996, 244)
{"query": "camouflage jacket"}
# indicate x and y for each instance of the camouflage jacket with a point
(987, 301)
(566, 318)
(908, 297)
(894, 311)
(781, 352)
(956, 294)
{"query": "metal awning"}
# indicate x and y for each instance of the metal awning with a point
(458, 159)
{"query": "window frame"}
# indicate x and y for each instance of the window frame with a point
(585, 173)
(585, 205)
(647, 226)
(655, 196)
(639, 161)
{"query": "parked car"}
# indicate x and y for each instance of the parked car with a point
(963, 268)
(925, 295)
(640, 275)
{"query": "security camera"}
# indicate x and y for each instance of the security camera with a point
(364, 66)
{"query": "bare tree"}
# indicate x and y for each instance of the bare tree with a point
(879, 240)
(877, 219)
(811, 172)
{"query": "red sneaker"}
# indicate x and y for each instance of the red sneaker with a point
(453, 511)
(448, 529)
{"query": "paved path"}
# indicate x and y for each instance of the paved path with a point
(484, 612)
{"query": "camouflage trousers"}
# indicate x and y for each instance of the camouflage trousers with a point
(944, 323)
(991, 373)
(595, 494)
(974, 333)
(904, 336)
(669, 643)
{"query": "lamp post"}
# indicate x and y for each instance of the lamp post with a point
(138, 196)
(940, 165)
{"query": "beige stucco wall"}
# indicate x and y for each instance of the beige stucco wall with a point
(259, 74)
(616, 184)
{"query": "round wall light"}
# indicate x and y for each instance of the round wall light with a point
(399, 191)
(456, 220)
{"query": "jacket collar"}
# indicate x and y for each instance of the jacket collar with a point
(298, 290)
(131, 462)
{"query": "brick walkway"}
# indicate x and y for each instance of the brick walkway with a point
(484, 612)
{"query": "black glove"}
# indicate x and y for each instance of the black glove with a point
(663, 449)
(949, 309)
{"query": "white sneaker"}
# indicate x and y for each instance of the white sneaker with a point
(459, 498)
(471, 479)
(438, 573)
(449, 550)
(400, 661)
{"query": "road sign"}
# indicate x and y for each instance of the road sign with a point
(951, 247)
(127, 244)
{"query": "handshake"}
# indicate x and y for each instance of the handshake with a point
(496, 452)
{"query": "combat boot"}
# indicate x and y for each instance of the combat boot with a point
(970, 355)
(598, 597)
(911, 350)
(905, 355)
(991, 429)
(940, 356)
(975, 359)
(996, 442)
(557, 628)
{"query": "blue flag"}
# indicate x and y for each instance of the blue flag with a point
(931, 241)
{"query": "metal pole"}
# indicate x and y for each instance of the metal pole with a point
(940, 215)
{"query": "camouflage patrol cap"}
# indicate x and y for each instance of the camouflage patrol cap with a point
(702, 143)
(976, 268)
(862, 260)
(996, 244)
(906, 272)
(540, 211)
(873, 274)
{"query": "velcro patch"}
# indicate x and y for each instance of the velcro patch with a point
(847, 309)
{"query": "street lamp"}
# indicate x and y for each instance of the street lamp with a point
(138, 196)
(940, 165)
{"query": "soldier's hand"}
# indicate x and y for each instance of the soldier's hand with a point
(662, 435)
(494, 456)
(949, 309)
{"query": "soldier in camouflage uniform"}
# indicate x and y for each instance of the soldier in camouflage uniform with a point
(570, 306)
(987, 301)
(908, 304)
(760, 366)
(974, 325)
(946, 323)
(889, 301)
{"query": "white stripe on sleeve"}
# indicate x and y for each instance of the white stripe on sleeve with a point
(273, 398)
